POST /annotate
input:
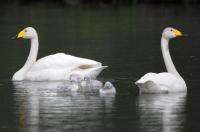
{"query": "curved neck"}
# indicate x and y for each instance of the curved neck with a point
(33, 53)
(31, 58)
(167, 58)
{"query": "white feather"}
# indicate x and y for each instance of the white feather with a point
(160, 83)
(54, 67)
(165, 82)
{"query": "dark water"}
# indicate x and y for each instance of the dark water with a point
(126, 39)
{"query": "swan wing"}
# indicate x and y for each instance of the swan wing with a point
(61, 61)
(150, 83)
(151, 87)
(60, 66)
(159, 83)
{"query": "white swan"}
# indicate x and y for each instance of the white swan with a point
(164, 82)
(53, 67)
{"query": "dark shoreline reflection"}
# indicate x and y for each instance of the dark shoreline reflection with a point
(44, 106)
(103, 3)
(162, 112)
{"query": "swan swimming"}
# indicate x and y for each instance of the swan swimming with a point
(108, 88)
(165, 82)
(53, 67)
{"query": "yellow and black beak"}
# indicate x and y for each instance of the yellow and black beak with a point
(178, 33)
(20, 35)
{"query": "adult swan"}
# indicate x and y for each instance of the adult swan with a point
(53, 67)
(164, 82)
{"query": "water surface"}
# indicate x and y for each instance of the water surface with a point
(126, 39)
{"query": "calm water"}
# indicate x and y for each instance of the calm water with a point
(126, 39)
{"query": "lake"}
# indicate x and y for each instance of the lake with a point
(127, 39)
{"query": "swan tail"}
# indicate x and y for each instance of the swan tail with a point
(91, 72)
(94, 72)
(149, 87)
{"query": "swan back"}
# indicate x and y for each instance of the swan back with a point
(60, 66)
(160, 83)
(62, 61)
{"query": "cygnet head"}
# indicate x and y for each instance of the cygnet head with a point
(170, 33)
(108, 89)
(107, 86)
(27, 33)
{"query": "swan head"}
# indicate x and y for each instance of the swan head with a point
(170, 33)
(27, 33)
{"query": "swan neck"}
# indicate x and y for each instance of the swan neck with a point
(167, 58)
(33, 51)
(19, 75)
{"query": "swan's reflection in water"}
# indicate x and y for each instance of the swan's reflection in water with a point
(45, 106)
(162, 112)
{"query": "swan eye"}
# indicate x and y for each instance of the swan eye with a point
(25, 30)
(171, 30)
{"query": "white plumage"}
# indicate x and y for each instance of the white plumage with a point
(53, 67)
(108, 88)
(160, 83)
(165, 82)
(60, 66)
